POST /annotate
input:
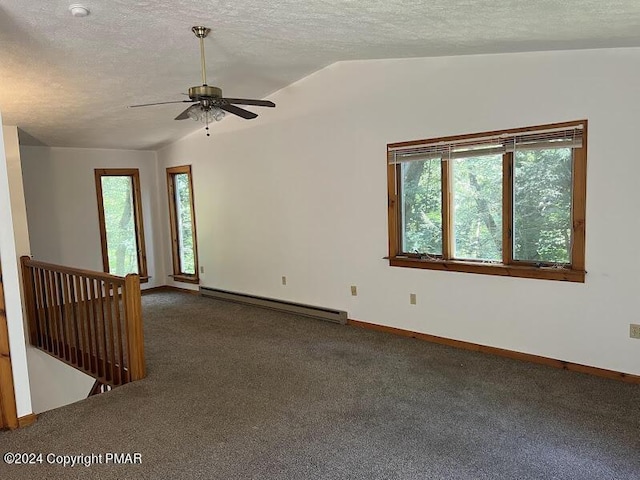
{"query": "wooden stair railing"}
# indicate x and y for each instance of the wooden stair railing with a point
(92, 321)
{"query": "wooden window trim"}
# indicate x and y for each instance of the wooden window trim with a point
(507, 209)
(575, 272)
(134, 173)
(447, 212)
(179, 276)
(186, 278)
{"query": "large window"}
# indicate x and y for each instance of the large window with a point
(120, 215)
(183, 226)
(505, 203)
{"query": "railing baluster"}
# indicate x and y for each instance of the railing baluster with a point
(79, 322)
(110, 354)
(29, 275)
(57, 283)
(73, 352)
(43, 309)
(76, 319)
(127, 338)
(46, 317)
(51, 310)
(53, 317)
(39, 306)
(69, 317)
(94, 325)
(103, 329)
(86, 287)
(57, 292)
(121, 340)
(73, 330)
(82, 320)
(66, 317)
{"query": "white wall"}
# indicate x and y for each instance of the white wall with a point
(63, 210)
(14, 241)
(301, 191)
(54, 383)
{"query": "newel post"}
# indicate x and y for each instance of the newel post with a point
(135, 335)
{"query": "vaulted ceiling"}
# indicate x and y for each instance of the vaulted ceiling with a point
(67, 81)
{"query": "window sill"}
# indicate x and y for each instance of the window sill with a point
(523, 271)
(186, 279)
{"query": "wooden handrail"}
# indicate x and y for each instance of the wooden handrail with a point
(29, 262)
(89, 320)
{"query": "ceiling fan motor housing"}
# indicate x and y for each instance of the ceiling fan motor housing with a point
(204, 92)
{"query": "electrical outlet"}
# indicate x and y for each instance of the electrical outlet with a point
(634, 330)
(412, 298)
(201, 269)
(284, 280)
(354, 290)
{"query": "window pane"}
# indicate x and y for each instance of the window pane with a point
(542, 205)
(117, 200)
(477, 194)
(422, 207)
(184, 218)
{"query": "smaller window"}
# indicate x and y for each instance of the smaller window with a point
(183, 225)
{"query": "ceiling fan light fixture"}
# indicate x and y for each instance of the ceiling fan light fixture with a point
(194, 114)
(218, 114)
(209, 115)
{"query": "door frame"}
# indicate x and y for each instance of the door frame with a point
(8, 411)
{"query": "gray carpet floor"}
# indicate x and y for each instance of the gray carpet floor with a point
(236, 392)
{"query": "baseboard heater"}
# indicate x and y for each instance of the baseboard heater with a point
(329, 314)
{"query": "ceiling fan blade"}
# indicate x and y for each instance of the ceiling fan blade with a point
(160, 103)
(241, 112)
(184, 115)
(246, 101)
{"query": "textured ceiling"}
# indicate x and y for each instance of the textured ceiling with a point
(67, 81)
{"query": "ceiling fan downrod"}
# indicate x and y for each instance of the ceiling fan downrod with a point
(201, 33)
